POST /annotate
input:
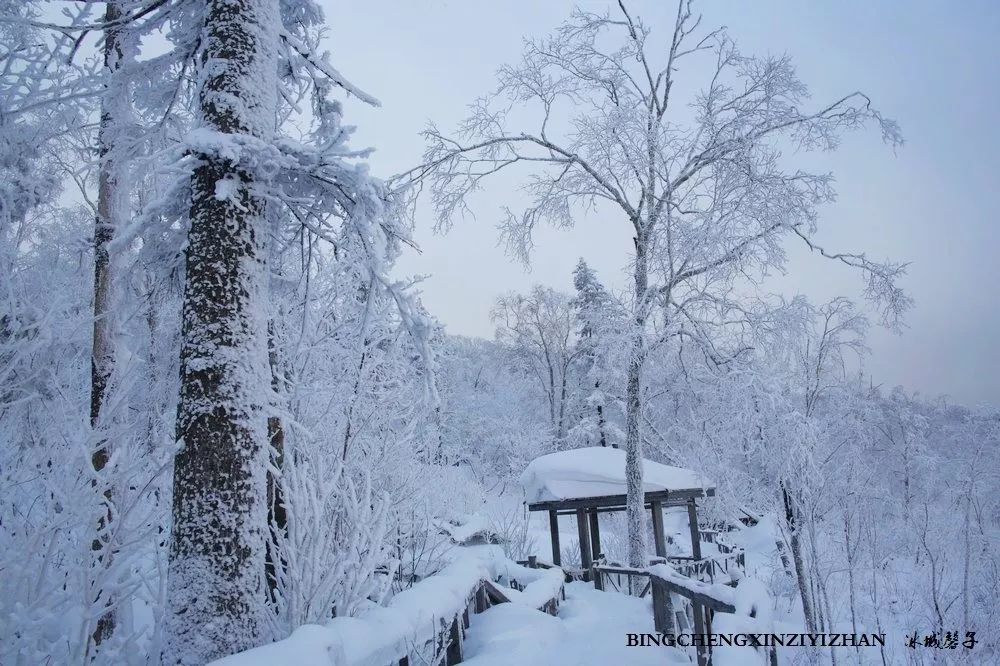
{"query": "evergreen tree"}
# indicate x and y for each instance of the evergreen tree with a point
(217, 555)
(593, 312)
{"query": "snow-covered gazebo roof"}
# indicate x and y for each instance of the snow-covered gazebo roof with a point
(590, 481)
(595, 477)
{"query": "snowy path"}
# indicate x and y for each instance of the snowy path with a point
(590, 629)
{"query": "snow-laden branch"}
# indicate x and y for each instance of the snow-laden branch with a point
(322, 64)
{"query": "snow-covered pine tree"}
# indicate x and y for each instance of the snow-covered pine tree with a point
(219, 498)
(595, 318)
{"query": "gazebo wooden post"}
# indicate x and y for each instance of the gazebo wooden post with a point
(659, 537)
(586, 561)
(663, 606)
(554, 533)
(695, 534)
(677, 487)
(699, 609)
(595, 535)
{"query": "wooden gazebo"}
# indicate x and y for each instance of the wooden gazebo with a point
(589, 481)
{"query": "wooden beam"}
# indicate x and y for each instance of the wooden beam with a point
(554, 535)
(699, 630)
(586, 561)
(494, 594)
(659, 536)
(713, 603)
(672, 503)
(663, 607)
(539, 564)
(663, 496)
(482, 600)
(623, 570)
(453, 653)
(595, 534)
(693, 524)
(701, 598)
(663, 611)
(698, 608)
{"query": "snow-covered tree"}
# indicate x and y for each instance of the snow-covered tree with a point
(538, 329)
(218, 539)
(707, 200)
(184, 219)
(493, 419)
(251, 190)
(598, 327)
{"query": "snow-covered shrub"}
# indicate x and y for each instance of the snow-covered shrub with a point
(333, 544)
(421, 547)
(510, 525)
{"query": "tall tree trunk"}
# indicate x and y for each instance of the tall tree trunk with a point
(873, 552)
(822, 597)
(354, 399)
(277, 518)
(635, 503)
(102, 351)
(967, 559)
(795, 543)
(850, 548)
(551, 391)
(219, 541)
(802, 578)
(600, 418)
(561, 425)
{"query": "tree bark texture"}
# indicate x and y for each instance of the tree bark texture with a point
(102, 351)
(219, 540)
(635, 501)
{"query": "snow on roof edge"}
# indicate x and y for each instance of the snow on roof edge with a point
(598, 471)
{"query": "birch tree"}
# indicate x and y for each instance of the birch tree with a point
(112, 209)
(698, 182)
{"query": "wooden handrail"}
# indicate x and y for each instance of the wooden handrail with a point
(486, 593)
(708, 601)
(691, 593)
(698, 592)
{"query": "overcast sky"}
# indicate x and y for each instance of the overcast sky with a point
(933, 66)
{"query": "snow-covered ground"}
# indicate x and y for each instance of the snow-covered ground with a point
(382, 633)
(591, 628)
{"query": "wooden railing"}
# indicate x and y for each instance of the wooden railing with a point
(711, 569)
(572, 572)
(620, 579)
(450, 638)
(706, 599)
